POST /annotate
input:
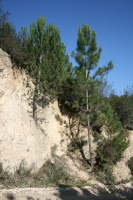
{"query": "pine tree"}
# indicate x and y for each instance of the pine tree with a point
(123, 106)
(85, 87)
(3, 18)
(47, 60)
(10, 40)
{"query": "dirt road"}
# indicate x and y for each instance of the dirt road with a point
(85, 193)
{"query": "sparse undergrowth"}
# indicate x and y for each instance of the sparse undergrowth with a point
(105, 175)
(109, 152)
(49, 175)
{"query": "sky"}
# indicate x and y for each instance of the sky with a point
(112, 20)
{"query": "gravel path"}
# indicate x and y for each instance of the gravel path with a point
(103, 192)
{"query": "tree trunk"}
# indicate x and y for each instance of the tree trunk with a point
(90, 148)
(87, 107)
(35, 98)
(35, 106)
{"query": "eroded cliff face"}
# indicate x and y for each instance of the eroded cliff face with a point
(21, 138)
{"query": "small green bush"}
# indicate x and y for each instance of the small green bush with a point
(111, 151)
(54, 172)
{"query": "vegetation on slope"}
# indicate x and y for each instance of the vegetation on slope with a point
(42, 54)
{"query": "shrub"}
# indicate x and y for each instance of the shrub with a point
(111, 151)
(50, 173)
(54, 172)
(123, 106)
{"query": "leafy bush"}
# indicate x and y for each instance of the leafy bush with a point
(54, 172)
(111, 151)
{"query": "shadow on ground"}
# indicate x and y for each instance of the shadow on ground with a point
(96, 194)
(10, 196)
(85, 193)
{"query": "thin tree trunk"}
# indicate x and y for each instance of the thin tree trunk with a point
(35, 98)
(90, 148)
(35, 105)
(87, 107)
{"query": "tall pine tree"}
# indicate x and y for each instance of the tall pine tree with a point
(86, 96)
(47, 60)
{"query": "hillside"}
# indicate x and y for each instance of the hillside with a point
(23, 139)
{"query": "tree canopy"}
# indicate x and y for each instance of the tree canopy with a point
(47, 63)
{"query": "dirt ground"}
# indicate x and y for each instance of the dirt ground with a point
(121, 192)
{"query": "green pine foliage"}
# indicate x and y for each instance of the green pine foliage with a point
(10, 40)
(3, 18)
(123, 106)
(85, 86)
(110, 151)
(47, 63)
